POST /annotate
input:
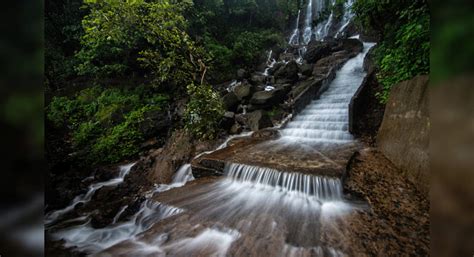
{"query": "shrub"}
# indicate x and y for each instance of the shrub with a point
(204, 111)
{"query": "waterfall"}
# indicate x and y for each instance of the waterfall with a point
(249, 201)
(346, 18)
(326, 120)
(295, 37)
(92, 240)
(322, 188)
(84, 198)
(308, 28)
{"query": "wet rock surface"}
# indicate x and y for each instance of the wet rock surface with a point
(398, 222)
(307, 159)
(366, 110)
(286, 86)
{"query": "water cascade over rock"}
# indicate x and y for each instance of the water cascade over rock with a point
(256, 210)
(308, 28)
(294, 208)
(326, 120)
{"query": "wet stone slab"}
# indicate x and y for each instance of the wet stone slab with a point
(303, 157)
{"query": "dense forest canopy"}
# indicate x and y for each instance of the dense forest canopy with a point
(113, 64)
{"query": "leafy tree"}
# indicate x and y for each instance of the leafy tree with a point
(139, 38)
(63, 32)
(404, 27)
(204, 111)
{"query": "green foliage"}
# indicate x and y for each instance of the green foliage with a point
(105, 123)
(63, 31)
(204, 111)
(338, 9)
(405, 48)
(221, 59)
(141, 38)
(249, 46)
(236, 32)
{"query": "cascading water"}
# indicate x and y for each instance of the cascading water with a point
(251, 207)
(308, 28)
(297, 184)
(295, 37)
(326, 120)
(84, 198)
(346, 18)
(92, 240)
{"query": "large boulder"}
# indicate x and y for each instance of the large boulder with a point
(317, 50)
(275, 67)
(300, 87)
(352, 46)
(404, 134)
(324, 65)
(242, 74)
(257, 79)
(306, 69)
(263, 99)
(242, 90)
(255, 120)
(231, 101)
(288, 72)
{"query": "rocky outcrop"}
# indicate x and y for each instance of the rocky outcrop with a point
(288, 86)
(231, 101)
(404, 134)
(242, 90)
(155, 122)
(288, 72)
(352, 46)
(317, 50)
(320, 49)
(255, 120)
(365, 110)
(164, 162)
(265, 99)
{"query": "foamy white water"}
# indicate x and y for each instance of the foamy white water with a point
(84, 198)
(91, 240)
(326, 120)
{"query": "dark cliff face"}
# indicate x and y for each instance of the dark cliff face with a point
(366, 110)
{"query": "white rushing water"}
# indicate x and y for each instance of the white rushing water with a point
(308, 24)
(326, 120)
(92, 240)
(247, 196)
(295, 37)
(346, 18)
(321, 188)
(84, 198)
